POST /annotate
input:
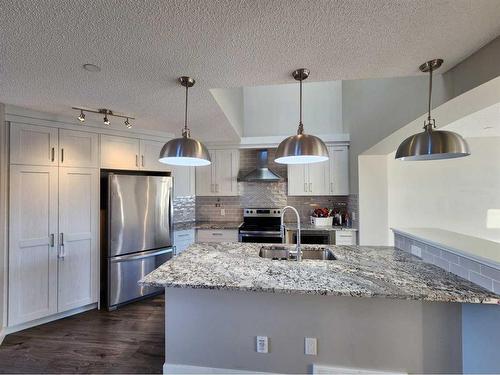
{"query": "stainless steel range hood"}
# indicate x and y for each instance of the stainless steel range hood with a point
(262, 173)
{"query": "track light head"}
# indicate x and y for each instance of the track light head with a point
(106, 121)
(127, 123)
(81, 117)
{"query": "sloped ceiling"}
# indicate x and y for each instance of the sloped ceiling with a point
(143, 46)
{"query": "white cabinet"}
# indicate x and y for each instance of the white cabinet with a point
(183, 239)
(326, 178)
(219, 178)
(78, 226)
(119, 152)
(213, 235)
(345, 237)
(53, 246)
(308, 179)
(33, 243)
(184, 181)
(78, 149)
(338, 172)
(33, 145)
(150, 153)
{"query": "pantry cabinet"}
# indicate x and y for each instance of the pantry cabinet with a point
(184, 181)
(78, 149)
(219, 178)
(33, 145)
(326, 178)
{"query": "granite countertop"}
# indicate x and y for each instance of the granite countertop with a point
(217, 225)
(359, 271)
(309, 226)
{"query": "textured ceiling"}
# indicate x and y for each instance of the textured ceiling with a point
(143, 46)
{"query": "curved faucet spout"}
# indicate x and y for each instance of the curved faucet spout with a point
(282, 228)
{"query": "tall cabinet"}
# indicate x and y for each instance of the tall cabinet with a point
(53, 242)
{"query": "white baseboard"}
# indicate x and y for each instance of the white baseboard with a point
(169, 368)
(19, 327)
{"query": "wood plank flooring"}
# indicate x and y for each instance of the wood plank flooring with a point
(128, 340)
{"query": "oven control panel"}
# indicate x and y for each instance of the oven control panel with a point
(262, 212)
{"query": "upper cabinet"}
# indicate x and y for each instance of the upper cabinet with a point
(150, 153)
(219, 178)
(78, 149)
(327, 178)
(119, 152)
(184, 181)
(33, 145)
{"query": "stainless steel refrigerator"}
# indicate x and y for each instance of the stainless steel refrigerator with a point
(138, 226)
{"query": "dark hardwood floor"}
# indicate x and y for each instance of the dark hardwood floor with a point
(128, 340)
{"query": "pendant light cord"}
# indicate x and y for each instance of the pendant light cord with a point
(185, 132)
(300, 130)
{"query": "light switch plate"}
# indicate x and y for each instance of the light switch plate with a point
(311, 346)
(222, 212)
(262, 344)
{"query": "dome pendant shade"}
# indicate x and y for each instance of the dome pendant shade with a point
(185, 151)
(301, 148)
(432, 144)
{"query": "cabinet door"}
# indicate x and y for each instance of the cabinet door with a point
(32, 243)
(297, 179)
(226, 172)
(318, 178)
(78, 149)
(78, 225)
(184, 181)
(119, 152)
(339, 170)
(150, 153)
(205, 185)
(33, 145)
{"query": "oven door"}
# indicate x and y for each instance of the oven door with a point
(260, 237)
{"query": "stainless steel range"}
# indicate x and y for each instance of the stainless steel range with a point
(261, 225)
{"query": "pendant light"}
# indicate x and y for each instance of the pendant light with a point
(301, 148)
(432, 144)
(185, 151)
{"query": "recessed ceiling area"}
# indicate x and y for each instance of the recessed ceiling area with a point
(143, 47)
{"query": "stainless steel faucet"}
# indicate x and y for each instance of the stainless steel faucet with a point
(282, 229)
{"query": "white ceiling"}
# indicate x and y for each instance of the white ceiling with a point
(143, 46)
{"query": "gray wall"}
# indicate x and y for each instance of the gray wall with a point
(3, 218)
(217, 329)
(373, 109)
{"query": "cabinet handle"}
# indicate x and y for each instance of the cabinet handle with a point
(183, 235)
(331, 187)
(52, 240)
(212, 189)
(216, 234)
(216, 188)
(305, 186)
(136, 160)
(62, 252)
(52, 153)
(310, 187)
(142, 160)
(62, 155)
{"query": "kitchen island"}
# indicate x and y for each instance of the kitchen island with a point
(374, 308)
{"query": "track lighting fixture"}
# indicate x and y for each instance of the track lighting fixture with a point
(81, 117)
(106, 113)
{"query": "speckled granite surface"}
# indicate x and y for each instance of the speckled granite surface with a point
(185, 225)
(358, 271)
(308, 226)
(218, 225)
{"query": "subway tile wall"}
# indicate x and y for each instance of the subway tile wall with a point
(482, 274)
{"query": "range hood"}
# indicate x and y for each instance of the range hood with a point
(262, 173)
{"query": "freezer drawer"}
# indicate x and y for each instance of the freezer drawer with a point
(125, 272)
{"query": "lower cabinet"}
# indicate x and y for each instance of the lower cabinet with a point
(53, 257)
(222, 235)
(183, 239)
(345, 237)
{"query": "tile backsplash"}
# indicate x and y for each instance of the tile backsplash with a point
(184, 209)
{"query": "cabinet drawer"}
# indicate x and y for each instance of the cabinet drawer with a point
(345, 238)
(184, 235)
(223, 235)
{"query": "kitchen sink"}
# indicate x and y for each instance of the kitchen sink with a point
(284, 252)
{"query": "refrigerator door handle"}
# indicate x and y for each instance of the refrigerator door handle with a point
(142, 255)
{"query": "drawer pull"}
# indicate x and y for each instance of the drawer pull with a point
(183, 235)
(216, 234)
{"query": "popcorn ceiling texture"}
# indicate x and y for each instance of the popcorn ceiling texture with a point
(222, 44)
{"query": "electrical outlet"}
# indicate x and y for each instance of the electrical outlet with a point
(262, 344)
(311, 346)
(353, 215)
(222, 212)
